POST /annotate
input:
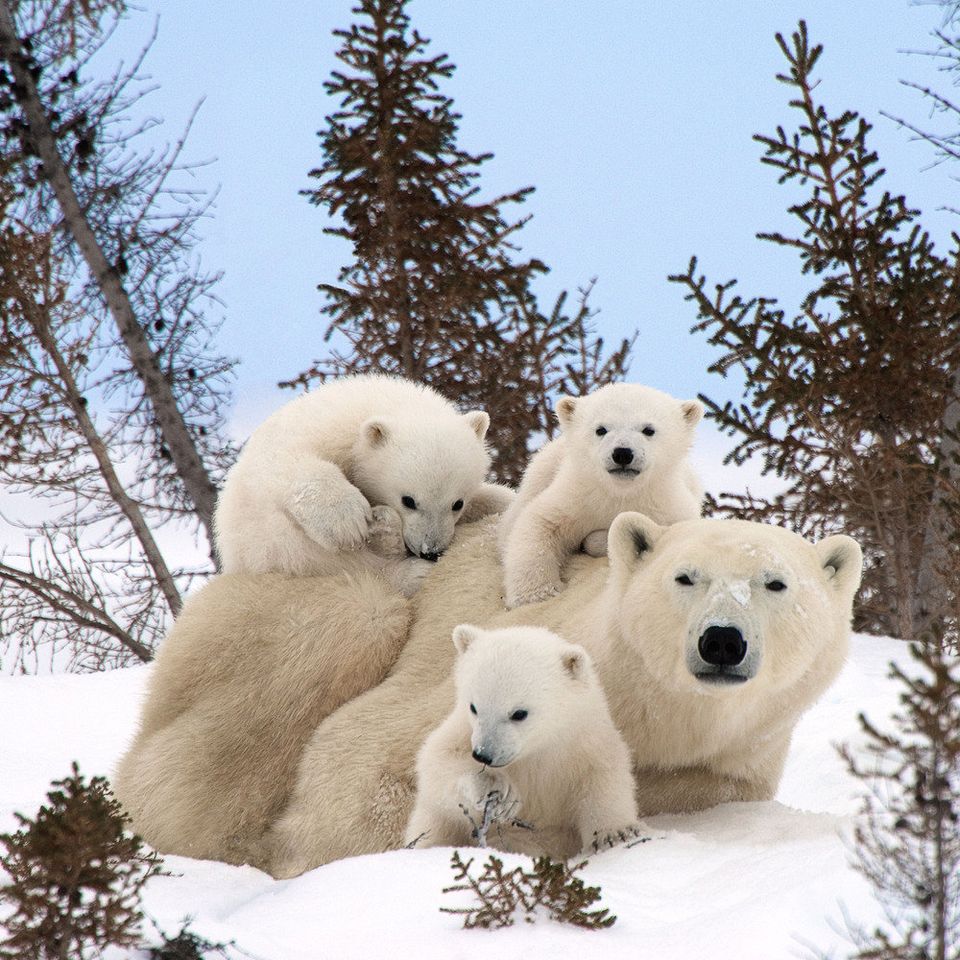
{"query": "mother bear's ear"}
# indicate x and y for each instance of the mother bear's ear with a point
(631, 538)
(842, 561)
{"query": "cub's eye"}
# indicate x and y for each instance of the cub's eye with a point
(409, 503)
(776, 586)
(601, 431)
(458, 505)
(648, 431)
(518, 715)
(473, 709)
(684, 580)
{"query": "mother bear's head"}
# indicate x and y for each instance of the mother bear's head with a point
(738, 609)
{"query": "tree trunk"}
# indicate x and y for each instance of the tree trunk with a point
(937, 568)
(130, 509)
(183, 451)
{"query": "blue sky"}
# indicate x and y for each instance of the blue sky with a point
(634, 121)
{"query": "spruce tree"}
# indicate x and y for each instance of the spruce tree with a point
(75, 876)
(908, 839)
(850, 397)
(435, 290)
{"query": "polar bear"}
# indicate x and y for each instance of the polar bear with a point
(299, 499)
(705, 680)
(710, 638)
(530, 736)
(623, 447)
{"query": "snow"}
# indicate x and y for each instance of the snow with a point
(749, 880)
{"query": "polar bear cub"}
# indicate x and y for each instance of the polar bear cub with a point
(529, 751)
(300, 498)
(622, 447)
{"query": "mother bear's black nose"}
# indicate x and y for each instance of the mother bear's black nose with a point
(722, 646)
(622, 456)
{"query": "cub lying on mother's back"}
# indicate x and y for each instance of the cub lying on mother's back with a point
(530, 737)
(299, 498)
(623, 447)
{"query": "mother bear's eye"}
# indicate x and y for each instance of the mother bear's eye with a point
(684, 580)
(601, 431)
(458, 505)
(518, 715)
(473, 709)
(776, 586)
(409, 502)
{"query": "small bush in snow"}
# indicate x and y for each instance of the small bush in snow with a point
(549, 886)
(75, 876)
(186, 945)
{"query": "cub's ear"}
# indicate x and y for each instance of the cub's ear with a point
(479, 422)
(631, 538)
(564, 410)
(842, 561)
(574, 660)
(692, 411)
(376, 431)
(464, 635)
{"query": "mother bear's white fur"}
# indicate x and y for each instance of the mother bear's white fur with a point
(349, 790)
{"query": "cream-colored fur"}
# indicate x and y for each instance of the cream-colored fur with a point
(574, 486)
(299, 499)
(693, 744)
(554, 775)
(252, 665)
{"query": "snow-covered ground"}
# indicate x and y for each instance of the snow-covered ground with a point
(744, 881)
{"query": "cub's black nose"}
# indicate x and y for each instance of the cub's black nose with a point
(481, 758)
(722, 646)
(432, 557)
(622, 456)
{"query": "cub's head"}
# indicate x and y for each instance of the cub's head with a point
(427, 470)
(727, 608)
(523, 690)
(625, 432)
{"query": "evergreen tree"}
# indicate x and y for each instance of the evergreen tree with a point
(75, 876)
(434, 291)
(908, 840)
(851, 399)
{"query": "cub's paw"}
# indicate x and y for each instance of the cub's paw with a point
(409, 574)
(487, 801)
(385, 533)
(531, 594)
(606, 839)
(483, 790)
(595, 544)
(338, 522)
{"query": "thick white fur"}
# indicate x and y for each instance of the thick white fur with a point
(248, 751)
(569, 497)
(693, 744)
(563, 769)
(299, 499)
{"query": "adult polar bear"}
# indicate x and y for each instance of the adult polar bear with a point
(710, 637)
